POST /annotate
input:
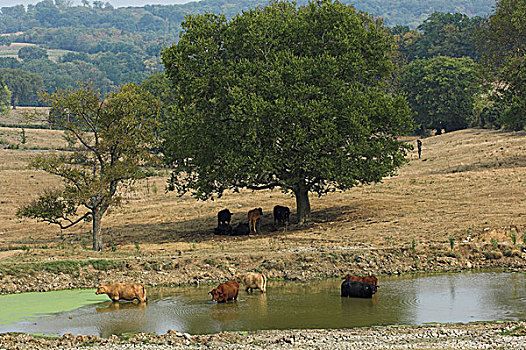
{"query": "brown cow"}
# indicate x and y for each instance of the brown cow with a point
(123, 291)
(225, 291)
(253, 280)
(362, 279)
(254, 219)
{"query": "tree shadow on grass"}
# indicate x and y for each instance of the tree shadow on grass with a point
(202, 229)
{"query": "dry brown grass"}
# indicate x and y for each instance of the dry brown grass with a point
(25, 115)
(468, 183)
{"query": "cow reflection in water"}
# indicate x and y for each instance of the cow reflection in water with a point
(225, 312)
(121, 317)
(111, 306)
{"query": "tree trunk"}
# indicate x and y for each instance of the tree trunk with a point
(302, 204)
(97, 238)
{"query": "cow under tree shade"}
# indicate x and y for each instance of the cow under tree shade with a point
(223, 217)
(254, 219)
(281, 215)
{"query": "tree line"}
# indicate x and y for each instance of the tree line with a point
(114, 46)
(282, 96)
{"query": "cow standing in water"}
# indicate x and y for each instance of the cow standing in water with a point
(225, 292)
(123, 291)
(253, 280)
(357, 289)
(363, 279)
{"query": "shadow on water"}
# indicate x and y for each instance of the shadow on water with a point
(402, 300)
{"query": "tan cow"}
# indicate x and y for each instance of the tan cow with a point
(123, 291)
(254, 219)
(253, 280)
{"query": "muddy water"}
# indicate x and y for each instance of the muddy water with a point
(403, 300)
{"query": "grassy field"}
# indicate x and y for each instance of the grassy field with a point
(12, 51)
(468, 186)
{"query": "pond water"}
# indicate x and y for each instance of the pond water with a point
(420, 299)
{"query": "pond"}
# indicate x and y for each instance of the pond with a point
(420, 299)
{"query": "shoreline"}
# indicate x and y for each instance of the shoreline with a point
(183, 269)
(476, 335)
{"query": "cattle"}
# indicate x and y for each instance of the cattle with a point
(223, 217)
(225, 291)
(123, 291)
(223, 229)
(241, 229)
(281, 215)
(253, 280)
(363, 279)
(254, 219)
(357, 289)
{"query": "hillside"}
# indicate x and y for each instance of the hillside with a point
(467, 191)
(114, 46)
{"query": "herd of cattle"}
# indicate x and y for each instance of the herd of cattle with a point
(352, 286)
(255, 216)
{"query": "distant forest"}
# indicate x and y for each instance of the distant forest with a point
(113, 46)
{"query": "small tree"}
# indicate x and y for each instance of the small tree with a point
(440, 92)
(113, 138)
(284, 96)
(511, 93)
(5, 98)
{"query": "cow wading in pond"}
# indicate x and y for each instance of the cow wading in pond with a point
(357, 289)
(225, 291)
(364, 279)
(123, 291)
(253, 280)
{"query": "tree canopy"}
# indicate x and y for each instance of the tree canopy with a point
(112, 138)
(283, 96)
(24, 86)
(440, 91)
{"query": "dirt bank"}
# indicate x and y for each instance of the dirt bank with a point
(507, 335)
(298, 264)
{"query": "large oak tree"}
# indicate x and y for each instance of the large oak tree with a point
(283, 96)
(112, 138)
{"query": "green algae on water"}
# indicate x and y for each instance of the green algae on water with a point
(19, 307)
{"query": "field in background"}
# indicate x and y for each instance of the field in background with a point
(12, 51)
(469, 185)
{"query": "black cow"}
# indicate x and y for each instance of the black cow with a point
(223, 217)
(241, 229)
(281, 215)
(357, 289)
(223, 229)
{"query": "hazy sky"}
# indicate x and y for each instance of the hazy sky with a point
(115, 3)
